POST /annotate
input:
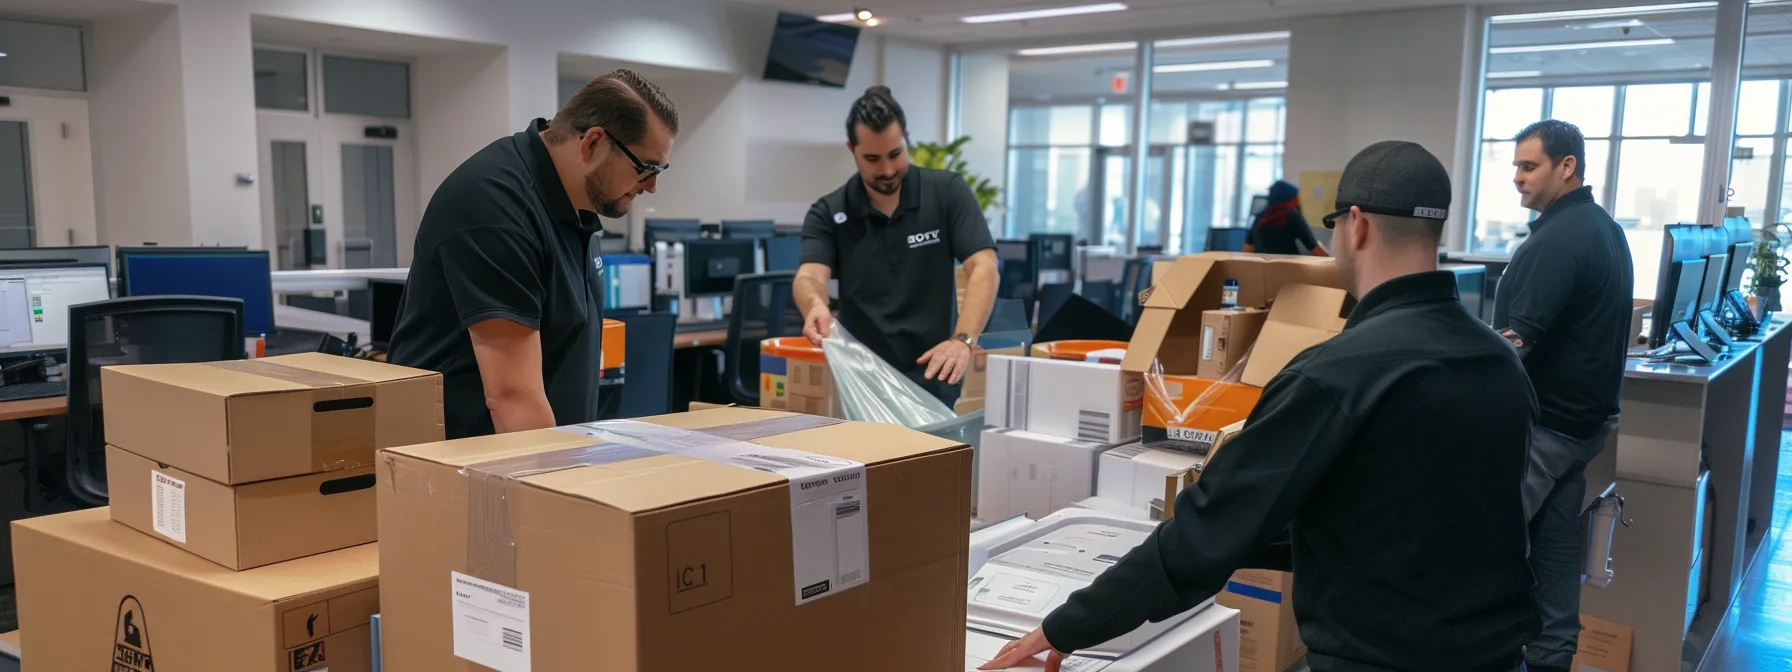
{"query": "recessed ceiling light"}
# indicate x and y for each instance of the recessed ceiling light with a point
(1215, 65)
(873, 21)
(1252, 86)
(2, 54)
(1513, 74)
(862, 14)
(1612, 11)
(1222, 39)
(1078, 49)
(1577, 46)
(837, 18)
(1045, 13)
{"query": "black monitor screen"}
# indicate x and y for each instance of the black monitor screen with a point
(1051, 252)
(808, 51)
(1688, 277)
(74, 254)
(710, 266)
(236, 274)
(1715, 265)
(1012, 249)
(748, 229)
(1739, 255)
(383, 299)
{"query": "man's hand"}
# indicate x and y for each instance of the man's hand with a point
(947, 361)
(818, 324)
(1023, 650)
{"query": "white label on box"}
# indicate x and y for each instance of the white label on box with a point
(1011, 591)
(1094, 424)
(168, 505)
(491, 623)
(1202, 438)
(829, 532)
(1207, 343)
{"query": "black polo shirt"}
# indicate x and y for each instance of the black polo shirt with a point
(501, 240)
(1567, 293)
(897, 288)
(1396, 449)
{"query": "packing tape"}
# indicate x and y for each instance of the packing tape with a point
(342, 430)
(825, 490)
(291, 374)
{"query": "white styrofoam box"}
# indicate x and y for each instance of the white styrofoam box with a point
(1206, 642)
(1133, 475)
(1033, 474)
(1105, 505)
(1073, 400)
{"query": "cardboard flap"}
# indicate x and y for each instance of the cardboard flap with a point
(1180, 282)
(219, 382)
(1303, 316)
(1147, 337)
(349, 367)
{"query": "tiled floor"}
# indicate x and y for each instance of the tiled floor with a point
(1758, 635)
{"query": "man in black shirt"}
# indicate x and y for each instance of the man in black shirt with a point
(892, 234)
(1395, 449)
(504, 297)
(1564, 302)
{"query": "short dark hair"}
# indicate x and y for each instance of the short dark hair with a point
(1560, 139)
(1410, 231)
(877, 109)
(617, 102)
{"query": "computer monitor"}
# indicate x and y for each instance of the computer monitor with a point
(671, 230)
(382, 315)
(1259, 203)
(1012, 249)
(34, 301)
(783, 253)
(73, 254)
(611, 243)
(1686, 278)
(1710, 291)
(1739, 256)
(234, 274)
(1226, 239)
(1679, 242)
(710, 266)
(1050, 251)
(748, 228)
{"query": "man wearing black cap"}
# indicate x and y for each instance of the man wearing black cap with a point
(1395, 449)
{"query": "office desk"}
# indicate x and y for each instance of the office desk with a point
(700, 339)
(1677, 421)
(28, 409)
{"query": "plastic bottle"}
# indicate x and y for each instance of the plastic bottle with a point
(1229, 294)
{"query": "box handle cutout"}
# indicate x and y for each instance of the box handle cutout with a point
(348, 404)
(343, 485)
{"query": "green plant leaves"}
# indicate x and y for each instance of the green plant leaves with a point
(950, 156)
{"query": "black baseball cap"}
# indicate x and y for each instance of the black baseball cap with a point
(1394, 178)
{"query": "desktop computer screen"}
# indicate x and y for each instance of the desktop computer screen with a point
(73, 254)
(1710, 291)
(1687, 277)
(734, 228)
(1012, 249)
(783, 253)
(672, 230)
(34, 303)
(233, 274)
(1051, 252)
(1739, 255)
(383, 299)
(710, 266)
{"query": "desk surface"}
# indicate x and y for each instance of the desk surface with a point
(700, 339)
(33, 408)
(1703, 373)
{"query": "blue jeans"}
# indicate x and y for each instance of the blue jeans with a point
(1556, 555)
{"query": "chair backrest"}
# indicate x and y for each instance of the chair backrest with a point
(647, 380)
(1051, 298)
(1101, 293)
(134, 330)
(763, 308)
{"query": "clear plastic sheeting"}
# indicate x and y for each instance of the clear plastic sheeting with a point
(870, 390)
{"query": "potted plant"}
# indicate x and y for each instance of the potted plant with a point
(950, 156)
(1768, 266)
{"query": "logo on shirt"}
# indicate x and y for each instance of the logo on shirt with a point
(839, 218)
(923, 239)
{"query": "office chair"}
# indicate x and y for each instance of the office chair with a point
(1052, 297)
(1134, 279)
(133, 330)
(1102, 293)
(648, 351)
(1007, 316)
(763, 308)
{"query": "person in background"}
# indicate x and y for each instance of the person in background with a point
(1564, 303)
(1280, 228)
(504, 297)
(892, 235)
(1395, 449)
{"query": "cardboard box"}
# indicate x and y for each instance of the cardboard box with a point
(1134, 475)
(91, 590)
(254, 420)
(1175, 483)
(1186, 413)
(1034, 474)
(1206, 642)
(968, 405)
(1226, 335)
(1268, 638)
(976, 377)
(677, 550)
(243, 526)
(1604, 646)
(1169, 328)
(1092, 402)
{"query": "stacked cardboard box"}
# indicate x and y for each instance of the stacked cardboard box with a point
(250, 486)
(1268, 637)
(1049, 421)
(718, 539)
(797, 385)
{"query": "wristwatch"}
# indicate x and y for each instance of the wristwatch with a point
(965, 339)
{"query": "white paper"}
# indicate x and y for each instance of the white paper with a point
(1207, 343)
(1017, 592)
(491, 623)
(168, 505)
(980, 650)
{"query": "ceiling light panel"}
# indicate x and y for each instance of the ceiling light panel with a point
(1079, 49)
(1577, 46)
(1049, 13)
(1215, 65)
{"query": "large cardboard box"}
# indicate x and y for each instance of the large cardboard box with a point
(1186, 413)
(1604, 646)
(243, 526)
(1026, 473)
(1226, 335)
(1088, 401)
(677, 543)
(254, 420)
(1268, 637)
(1169, 328)
(96, 595)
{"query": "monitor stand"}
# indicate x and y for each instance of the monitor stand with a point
(1716, 328)
(1734, 308)
(1685, 332)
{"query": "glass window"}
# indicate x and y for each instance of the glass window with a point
(1599, 159)
(1658, 110)
(1048, 190)
(1264, 121)
(1262, 165)
(1169, 123)
(1756, 106)
(1588, 107)
(1658, 183)
(1116, 125)
(1749, 176)
(1498, 215)
(1227, 117)
(1508, 111)
(42, 56)
(1059, 125)
(372, 88)
(280, 81)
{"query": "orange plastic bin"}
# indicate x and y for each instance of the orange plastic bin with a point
(1076, 350)
(793, 375)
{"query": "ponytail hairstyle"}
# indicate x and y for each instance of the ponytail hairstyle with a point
(877, 109)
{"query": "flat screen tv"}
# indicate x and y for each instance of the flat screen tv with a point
(808, 51)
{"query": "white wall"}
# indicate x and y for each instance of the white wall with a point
(218, 88)
(460, 105)
(140, 131)
(916, 73)
(983, 115)
(61, 167)
(1357, 80)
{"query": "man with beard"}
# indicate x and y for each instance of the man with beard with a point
(1395, 449)
(892, 234)
(504, 296)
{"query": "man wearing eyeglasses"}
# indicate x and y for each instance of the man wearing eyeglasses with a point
(504, 297)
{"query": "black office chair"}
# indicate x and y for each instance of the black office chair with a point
(1008, 316)
(763, 308)
(648, 353)
(1052, 297)
(1134, 279)
(134, 330)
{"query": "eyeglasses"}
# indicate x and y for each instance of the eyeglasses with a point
(646, 171)
(1331, 220)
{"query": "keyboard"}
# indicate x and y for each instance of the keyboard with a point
(38, 390)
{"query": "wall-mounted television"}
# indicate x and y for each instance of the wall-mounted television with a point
(808, 51)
